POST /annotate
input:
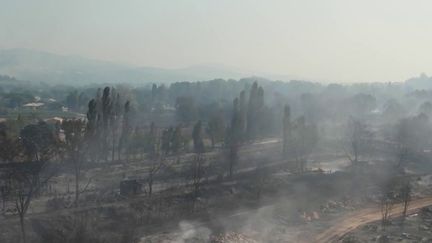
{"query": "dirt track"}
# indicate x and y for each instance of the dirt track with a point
(365, 216)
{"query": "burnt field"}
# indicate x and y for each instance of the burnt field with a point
(260, 203)
(170, 164)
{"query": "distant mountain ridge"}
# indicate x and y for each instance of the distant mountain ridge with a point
(37, 66)
(46, 67)
(420, 82)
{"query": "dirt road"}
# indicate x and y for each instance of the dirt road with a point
(365, 216)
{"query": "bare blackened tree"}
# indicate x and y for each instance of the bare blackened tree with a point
(411, 135)
(358, 138)
(11, 151)
(386, 208)
(303, 139)
(388, 199)
(216, 128)
(232, 157)
(195, 173)
(166, 140)
(74, 130)
(198, 174)
(177, 140)
(402, 144)
(153, 141)
(155, 166)
(27, 177)
(260, 180)
(157, 159)
(405, 193)
(198, 138)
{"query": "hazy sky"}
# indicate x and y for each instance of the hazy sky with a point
(339, 40)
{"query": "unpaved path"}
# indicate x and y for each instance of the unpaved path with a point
(356, 219)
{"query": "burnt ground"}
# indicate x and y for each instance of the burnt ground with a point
(285, 207)
(416, 227)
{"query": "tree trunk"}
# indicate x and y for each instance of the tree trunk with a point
(150, 184)
(355, 153)
(77, 192)
(405, 210)
(196, 189)
(213, 141)
(23, 232)
(119, 148)
(113, 148)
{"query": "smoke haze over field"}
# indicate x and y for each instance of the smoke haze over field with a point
(219, 121)
(336, 40)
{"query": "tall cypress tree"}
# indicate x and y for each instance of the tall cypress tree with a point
(259, 115)
(255, 112)
(286, 129)
(106, 113)
(251, 111)
(234, 137)
(92, 129)
(126, 130)
(114, 121)
(243, 114)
